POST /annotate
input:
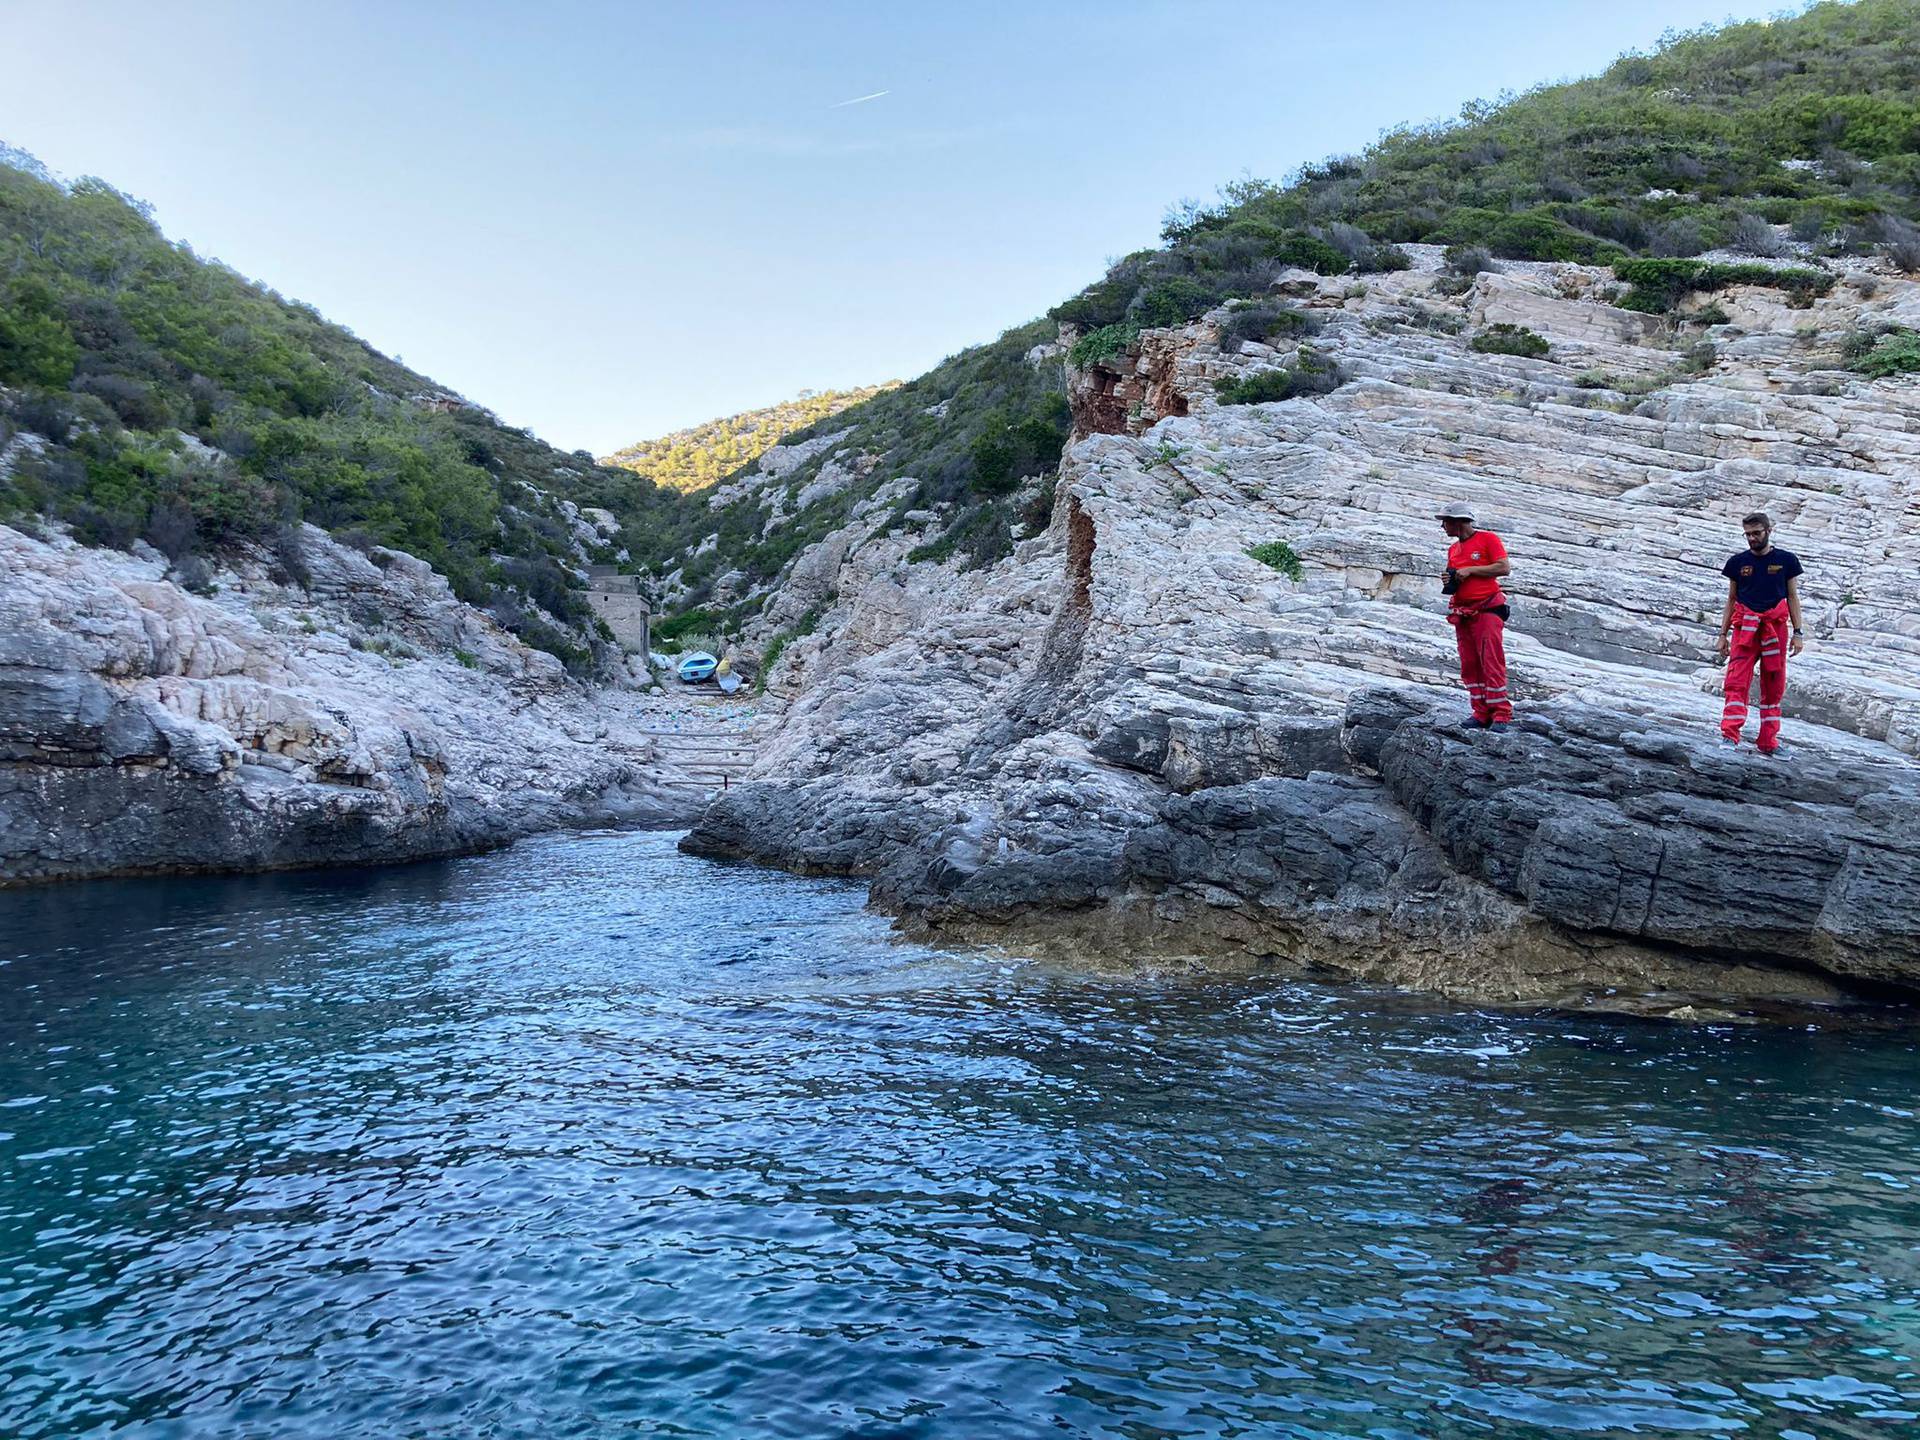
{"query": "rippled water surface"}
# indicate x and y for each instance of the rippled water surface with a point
(590, 1139)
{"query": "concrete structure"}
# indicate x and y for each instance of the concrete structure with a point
(616, 599)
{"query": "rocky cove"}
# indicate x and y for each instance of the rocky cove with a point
(1130, 741)
(1133, 738)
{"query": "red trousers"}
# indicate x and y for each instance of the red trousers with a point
(1483, 663)
(1759, 636)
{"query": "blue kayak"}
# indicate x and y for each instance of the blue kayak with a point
(697, 667)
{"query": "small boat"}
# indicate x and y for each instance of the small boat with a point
(697, 667)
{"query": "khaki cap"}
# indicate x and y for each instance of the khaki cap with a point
(1454, 510)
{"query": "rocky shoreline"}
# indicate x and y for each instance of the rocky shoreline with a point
(1587, 852)
(1132, 738)
(361, 717)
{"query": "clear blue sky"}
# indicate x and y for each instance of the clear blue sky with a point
(607, 220)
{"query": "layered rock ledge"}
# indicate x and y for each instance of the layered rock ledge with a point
(368, 716)
(1131, 738)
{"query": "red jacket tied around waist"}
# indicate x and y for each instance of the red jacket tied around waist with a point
(1759, 640)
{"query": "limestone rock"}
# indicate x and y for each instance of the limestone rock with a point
(1131, 736)
(372, 717)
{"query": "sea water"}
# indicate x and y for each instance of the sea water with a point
(588, 1138)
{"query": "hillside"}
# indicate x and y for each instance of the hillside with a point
(704, 455)
(1797, 138)
(149, 394)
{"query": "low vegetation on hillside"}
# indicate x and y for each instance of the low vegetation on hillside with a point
(149, 394)
(704, 455)
(967, 433)
(1721, 138)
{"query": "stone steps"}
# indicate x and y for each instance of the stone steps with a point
(701, 757)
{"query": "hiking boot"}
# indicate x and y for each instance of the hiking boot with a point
(1475, 723)
(1778, 752)
(1500, 727)
(1726, 744)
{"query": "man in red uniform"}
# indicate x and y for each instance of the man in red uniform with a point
(1478, 613)
(1763, 600)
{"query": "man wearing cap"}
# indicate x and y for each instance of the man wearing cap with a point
(1763, 601)
(1478, 612)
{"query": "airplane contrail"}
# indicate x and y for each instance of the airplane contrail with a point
(859, 100)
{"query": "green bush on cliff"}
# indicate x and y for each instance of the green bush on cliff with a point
(1011, 448)
(1537, 234)
(1174, 301)
(1261, 321)
(1310, 374)
(1881, 353)
(1102, 344)
(1660, 285)
(1278, 555)
(1504, 339)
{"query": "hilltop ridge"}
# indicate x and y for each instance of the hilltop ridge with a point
(703, 455)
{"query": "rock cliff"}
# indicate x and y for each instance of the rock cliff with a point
(1132, 737)
(365, 716)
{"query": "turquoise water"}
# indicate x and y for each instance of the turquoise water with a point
(520, 1146)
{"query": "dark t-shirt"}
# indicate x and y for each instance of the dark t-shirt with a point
(1760, 581)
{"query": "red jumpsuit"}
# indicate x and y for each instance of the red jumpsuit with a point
(1480, 632)
(1758, 636)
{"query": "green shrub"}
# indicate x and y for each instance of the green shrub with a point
(1466, 261)
(1262, 321)
(1101, 344)
(1007, 450)
(1173, 302)
(1504, 339)
(981, 534)
(1278, 555)
(1894, 351)
(1310, 375)
(1301, 249)
(1659, 285)
(1699, 358)
(1037, 513)
(1533, 235)
(673, 632)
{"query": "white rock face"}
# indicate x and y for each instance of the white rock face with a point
(373, 717)
(1002, 745)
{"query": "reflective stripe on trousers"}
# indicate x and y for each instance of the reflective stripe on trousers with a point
(1759, 639)
(1483, 664)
